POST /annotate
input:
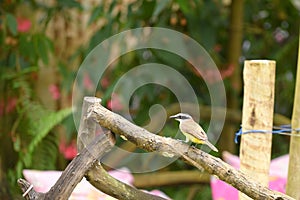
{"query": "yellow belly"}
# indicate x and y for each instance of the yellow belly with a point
(193, 139)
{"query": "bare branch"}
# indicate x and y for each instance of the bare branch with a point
(100, 179)
(86, 163)
(170, 147)
(28, 192)
(75, 171)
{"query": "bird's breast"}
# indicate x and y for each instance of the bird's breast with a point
(193, 139)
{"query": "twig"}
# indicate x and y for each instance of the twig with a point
(100, 179)
(171, 147)
(32, 194)
(74, 172)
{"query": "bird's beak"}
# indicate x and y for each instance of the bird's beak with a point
(173, 116)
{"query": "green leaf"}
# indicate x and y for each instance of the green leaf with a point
(43, 50)
(42, 46)
(11, 23)
(25, 46)
(45, 154)
(159, 7)
(17, 144)
(41, 128)
(185, 6)
(69, 4)
(95, 14)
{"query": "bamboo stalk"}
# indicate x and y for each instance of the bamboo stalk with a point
(255, 151)
(235, 42)
(293, 183)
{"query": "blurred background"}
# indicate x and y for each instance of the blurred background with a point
(43, 44)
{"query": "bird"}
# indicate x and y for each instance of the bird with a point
(192, 130)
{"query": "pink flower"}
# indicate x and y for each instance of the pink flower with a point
(122, 174)
(54, 91)
(215, 75)
(44, 180)
(87, 82)
(278, 177)
(217, 48)
(12, 102)
(104, 82)
(1, 108)
(68, 150)
(24, 25)
(228, 72)
(8, 107)
(115, 103)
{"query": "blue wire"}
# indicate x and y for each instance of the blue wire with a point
(284, 130)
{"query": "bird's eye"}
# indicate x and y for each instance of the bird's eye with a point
(180, 117)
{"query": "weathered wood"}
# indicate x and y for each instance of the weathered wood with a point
(100, 179)
(293, 184)
(87, 127)
(171, 147)
(76, 170)
(31, 193)
(255, 149)
(86, 164)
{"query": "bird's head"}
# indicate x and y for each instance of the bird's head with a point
(181, 117)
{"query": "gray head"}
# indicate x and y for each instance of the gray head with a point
(181, 117)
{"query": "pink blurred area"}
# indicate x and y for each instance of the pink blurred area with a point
(69, 151)
(278, 177)
(42, 181)
(54, 91)
(24, 25)
(115, 103)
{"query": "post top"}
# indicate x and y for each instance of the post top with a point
(92, 99)
(261, 61)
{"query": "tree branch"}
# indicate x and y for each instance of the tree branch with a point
(74, 172)
(171, 147)
(28, 192)
(97, 176)
(100, 179)
(86, 164)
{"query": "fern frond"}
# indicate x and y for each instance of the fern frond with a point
(41, 128)
(46, 152)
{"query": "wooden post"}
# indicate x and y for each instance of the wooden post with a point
(293, 184)
(255, 150)
(87, 127)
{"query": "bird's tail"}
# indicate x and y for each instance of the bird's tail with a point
(210, 145)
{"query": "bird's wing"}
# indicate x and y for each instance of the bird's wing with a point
(194, 129)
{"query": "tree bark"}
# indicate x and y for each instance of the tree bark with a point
(170, 147)
(86, 164)
(100, 179)
(74, 172)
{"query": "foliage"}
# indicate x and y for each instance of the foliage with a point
(27, 134)
(26, 124)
